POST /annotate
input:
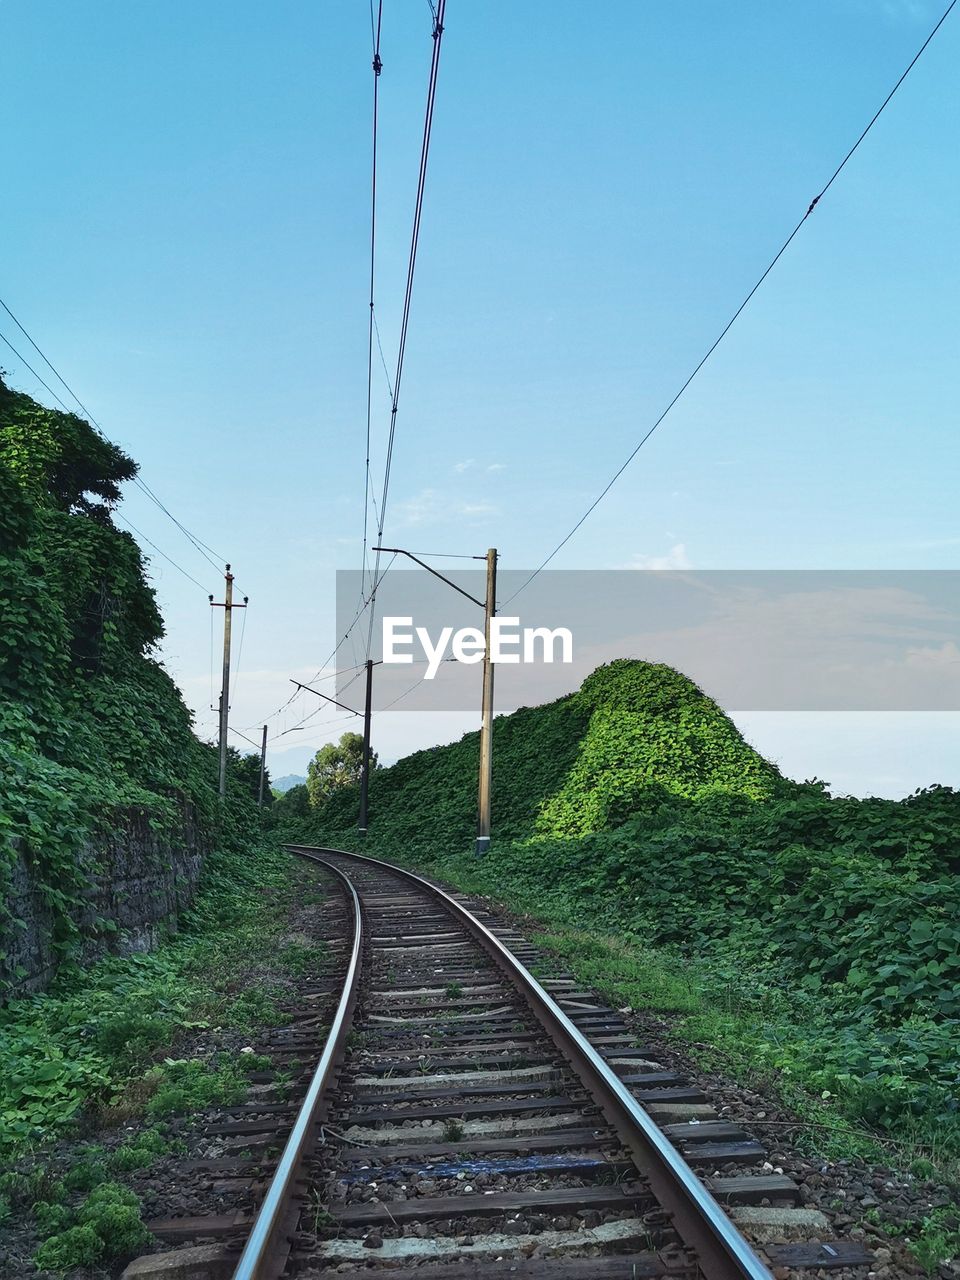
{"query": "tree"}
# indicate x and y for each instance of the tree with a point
(336, 766)
(246, 770)
(292, 804)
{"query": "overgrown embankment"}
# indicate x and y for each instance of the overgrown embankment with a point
(109, 817)
(102, 782)
(811, 937)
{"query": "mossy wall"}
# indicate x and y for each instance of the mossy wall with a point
(107, 799)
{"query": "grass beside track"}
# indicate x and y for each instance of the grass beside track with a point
(117, 1045)
(762, 1035)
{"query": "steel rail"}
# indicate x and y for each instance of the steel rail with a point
(263, 1257)
(722, 1251)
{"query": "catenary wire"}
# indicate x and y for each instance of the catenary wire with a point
(336, 649)
(733, 319)
(438, 16)
(318, 709)
(377, 68)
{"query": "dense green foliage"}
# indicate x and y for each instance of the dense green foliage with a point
(106, 1225)
(577, 765)
(91, 727)
(97, 1040)
(245, 771)
(635, 808)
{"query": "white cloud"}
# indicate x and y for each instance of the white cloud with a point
(675, 558)
(471, 464)
(430, 506)
(927, 658)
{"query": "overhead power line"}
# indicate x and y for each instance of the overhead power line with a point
(736, 315)
(321, 707)
(367, 484)
(197, 543)
(438, 16)
(179, 567)
(27, 365)
(58, 375)
(335, 650)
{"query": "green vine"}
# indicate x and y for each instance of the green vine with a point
(93, 732)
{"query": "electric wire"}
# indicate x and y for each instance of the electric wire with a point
(27, 365)
(317, 710)
(244, 737)
(356, 618)
(383, 358)
(207, 552)
(197, 542)
(416, 685)
(445, 555)
(733, 319)
(317, 679)
(179, 567)
(377, 68)
(236, 670)
(438, 16)
(336, 649)
(56, 372)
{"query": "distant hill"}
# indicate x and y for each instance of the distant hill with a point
(285, 783)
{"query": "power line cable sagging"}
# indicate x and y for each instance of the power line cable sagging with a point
(736, 315)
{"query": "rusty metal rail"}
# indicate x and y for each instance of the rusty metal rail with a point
(722, 1252)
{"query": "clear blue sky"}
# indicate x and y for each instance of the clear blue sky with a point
(184, 231)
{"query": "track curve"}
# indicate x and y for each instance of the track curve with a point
(522, 1100)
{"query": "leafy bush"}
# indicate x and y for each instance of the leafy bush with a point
(107, 1225)
(140, 1152)
(75, 1247)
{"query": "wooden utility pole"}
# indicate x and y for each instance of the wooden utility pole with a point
(486, 723)
(228, 607)
(365, 763)
(263, 764)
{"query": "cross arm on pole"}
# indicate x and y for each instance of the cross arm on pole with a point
(399, 551)
(311, 689)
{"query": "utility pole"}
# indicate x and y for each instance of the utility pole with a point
(228, 607)
(486, 723)
(263, 764)
(365, 764)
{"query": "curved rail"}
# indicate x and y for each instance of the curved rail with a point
(722, 1252)
(262, 1254)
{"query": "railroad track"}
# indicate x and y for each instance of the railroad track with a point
(467, 1120)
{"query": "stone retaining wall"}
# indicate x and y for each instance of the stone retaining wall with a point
(139, 881)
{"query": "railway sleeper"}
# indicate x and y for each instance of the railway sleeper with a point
(549, 1200)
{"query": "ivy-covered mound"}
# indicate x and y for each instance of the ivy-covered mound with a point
(634, 731)
(823, 930)
(91, 727)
